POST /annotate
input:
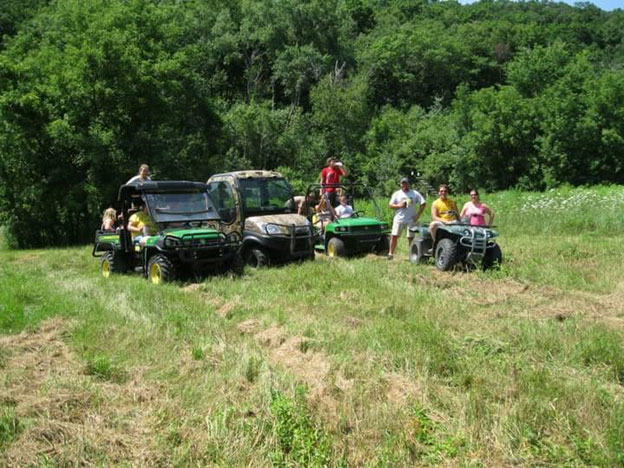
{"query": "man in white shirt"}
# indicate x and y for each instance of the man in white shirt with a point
(404, 203)
(344, 210)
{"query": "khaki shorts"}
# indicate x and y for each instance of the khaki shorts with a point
(397, 228)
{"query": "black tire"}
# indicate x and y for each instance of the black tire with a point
(256, 258)
(446, 254)
(238, 265)
(336, 248)
(112, 263)
(383, 246)
(418, 251)
(493, 258)
(160, 269)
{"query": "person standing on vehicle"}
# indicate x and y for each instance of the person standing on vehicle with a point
(142, 176)
(404, 202)
(331, 175)
(443, 211)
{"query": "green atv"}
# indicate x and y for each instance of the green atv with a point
(188, 240)
(456, 243)
(360, 232)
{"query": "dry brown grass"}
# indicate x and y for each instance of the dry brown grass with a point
(68, 416)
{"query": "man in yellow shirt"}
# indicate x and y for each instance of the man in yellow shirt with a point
(141, 226)
(443, 211)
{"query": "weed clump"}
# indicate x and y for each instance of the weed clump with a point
(10, 426)
(103, 368)
(301, 440)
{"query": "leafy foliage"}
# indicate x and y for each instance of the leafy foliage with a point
(496, 94)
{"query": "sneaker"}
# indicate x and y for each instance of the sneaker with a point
(390, 257)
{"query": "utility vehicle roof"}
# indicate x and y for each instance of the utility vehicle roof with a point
(251, 174)
(165, 186)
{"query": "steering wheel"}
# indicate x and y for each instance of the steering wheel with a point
(358, 214)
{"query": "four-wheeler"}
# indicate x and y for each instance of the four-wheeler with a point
(189, 238)
(260, 206)
(456, 243)
(362, 232)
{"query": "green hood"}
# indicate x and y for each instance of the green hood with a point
(356, 224)
(199, 233)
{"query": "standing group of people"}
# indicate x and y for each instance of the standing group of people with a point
(407, 203)
(409, 206)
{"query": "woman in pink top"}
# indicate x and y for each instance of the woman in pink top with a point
(476, 211)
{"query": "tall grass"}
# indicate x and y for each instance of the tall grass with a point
(358, 362)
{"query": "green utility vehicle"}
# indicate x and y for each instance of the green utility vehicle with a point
(188, 239)
(456, 244)
(260, 206)
(363, 231)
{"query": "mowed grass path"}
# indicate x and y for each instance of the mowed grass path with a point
(359, 362)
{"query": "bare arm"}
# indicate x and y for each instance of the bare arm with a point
(490, 213)
(463, 211)
(420, 211)
(133, 227)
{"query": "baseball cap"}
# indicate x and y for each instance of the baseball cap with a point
(404, 179)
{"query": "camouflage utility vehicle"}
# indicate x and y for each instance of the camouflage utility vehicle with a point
(188, 239)
(458, 243)
(362, 232)
(260, 206)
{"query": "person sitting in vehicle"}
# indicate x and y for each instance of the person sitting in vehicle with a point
(475, 211)
(141, 226)
(344, 210)
(443, 211)
(109, 220)
(324, 213)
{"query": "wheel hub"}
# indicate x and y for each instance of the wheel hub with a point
(155, 273)
(105, 269)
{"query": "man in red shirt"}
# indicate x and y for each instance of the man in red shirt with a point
(331, 175)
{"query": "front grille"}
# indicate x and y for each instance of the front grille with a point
(374, 228)
(200, 242)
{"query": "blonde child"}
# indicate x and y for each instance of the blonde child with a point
(109, 220)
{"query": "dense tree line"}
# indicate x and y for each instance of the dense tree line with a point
(497, 94)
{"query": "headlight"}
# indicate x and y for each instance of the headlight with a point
(172, 242)
(273, 229)
(270, 228)
(341, 229)
(384, 226)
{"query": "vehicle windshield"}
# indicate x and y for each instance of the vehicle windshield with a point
(266, 196)
(181, 207)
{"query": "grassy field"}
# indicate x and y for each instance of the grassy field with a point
(360, 362)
